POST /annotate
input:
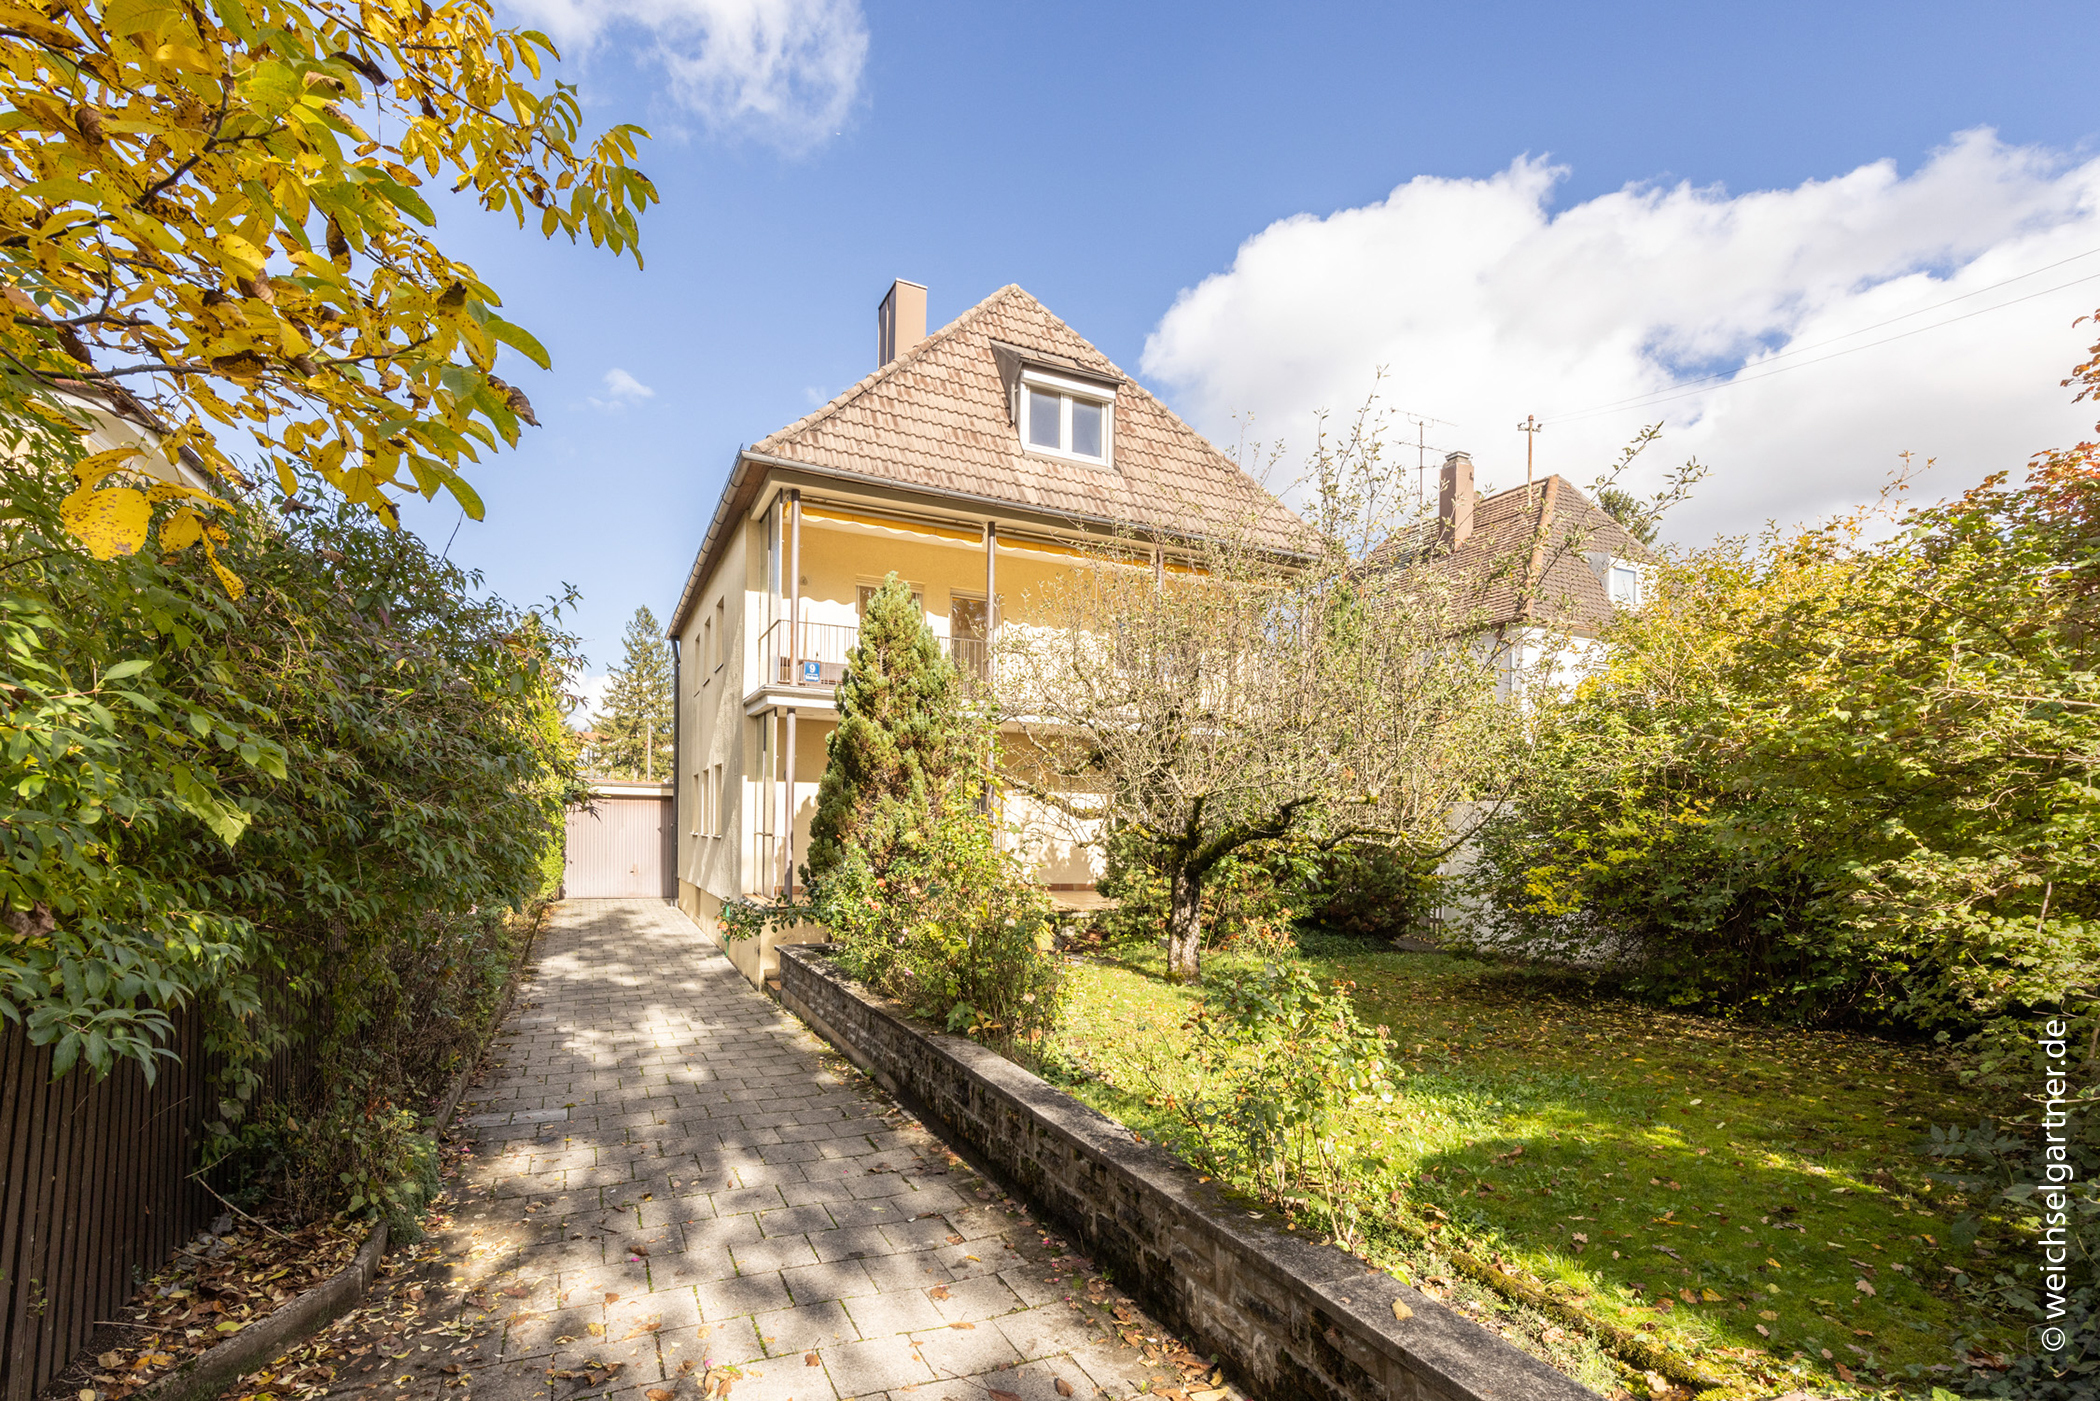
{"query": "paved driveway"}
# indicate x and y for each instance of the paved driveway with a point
(676, 1190)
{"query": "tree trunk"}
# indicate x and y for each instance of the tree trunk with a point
(1184, 924)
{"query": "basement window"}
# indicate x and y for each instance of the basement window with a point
(1066, 418)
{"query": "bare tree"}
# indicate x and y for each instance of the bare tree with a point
(1208, 695)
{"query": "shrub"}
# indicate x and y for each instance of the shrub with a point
(306, 808)
(1275, 1063)
(905, 742)
(1379, 891)
(906, 872)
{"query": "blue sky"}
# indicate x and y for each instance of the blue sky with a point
(1112, 159)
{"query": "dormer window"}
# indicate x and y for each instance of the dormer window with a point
(1625, 585)
(1066, 417)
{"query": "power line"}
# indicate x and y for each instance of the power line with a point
(1701, 386)
(1673, 392)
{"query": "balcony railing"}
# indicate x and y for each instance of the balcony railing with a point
(820, 660)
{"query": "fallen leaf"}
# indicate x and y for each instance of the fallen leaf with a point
(1402, 1311)
(1863, 1287)
(998, 1395)
(955, 1240)
(1763, 1332)
(452, 1369)
(515, 1291)
(939, 1291)
(612, 1298)
(1064, 1388)
(963, 1325)
(657, 1393)
(810, 1359)
(108, 1360)
(1844, 1372)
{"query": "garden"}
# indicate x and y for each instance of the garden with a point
(1679, 1024)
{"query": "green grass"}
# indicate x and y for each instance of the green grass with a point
(1764, 1173)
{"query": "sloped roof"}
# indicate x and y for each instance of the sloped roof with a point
(938, 417)
(1528, 558)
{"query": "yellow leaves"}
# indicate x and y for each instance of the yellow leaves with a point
(109, 522)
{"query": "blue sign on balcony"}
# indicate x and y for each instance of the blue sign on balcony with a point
(812, 673)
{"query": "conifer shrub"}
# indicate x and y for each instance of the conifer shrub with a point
(906, 870)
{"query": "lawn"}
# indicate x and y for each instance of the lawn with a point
(1745, 1196)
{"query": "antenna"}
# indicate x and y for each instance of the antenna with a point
(1422, 448)
(1531, 428)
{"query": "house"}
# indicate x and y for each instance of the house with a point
(977, 463)
(1541, 567)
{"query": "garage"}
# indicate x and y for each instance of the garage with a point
(622, 845)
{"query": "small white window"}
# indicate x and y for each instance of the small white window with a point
(721, 632)
(721, 804)
(1625, 586)
(1067, 418)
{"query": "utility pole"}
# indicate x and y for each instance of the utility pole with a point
(1530, 428)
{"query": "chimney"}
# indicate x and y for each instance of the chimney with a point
(1455, 499)
(900, 322)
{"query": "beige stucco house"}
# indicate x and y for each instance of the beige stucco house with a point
(976, 463)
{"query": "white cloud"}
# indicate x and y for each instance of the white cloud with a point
(590, 707)
(1484, 305)
(621, 389)
(787, 71)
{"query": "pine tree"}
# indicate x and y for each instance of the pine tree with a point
(905, 746)
(634, 737)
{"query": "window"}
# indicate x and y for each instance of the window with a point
(1625, 585)
(707, 642)
(720, 804)
(721, 653)
(868, 592)
(1066, 418)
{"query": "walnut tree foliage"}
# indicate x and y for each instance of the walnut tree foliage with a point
(214, 222)
(258, 804)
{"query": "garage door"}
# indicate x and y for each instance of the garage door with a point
(621, 846)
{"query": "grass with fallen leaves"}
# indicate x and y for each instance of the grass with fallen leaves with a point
(1745, 1196)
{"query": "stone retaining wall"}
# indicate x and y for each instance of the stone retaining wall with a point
(1296, 1321)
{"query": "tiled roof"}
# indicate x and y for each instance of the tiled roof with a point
(937, 418)
(1528, 557)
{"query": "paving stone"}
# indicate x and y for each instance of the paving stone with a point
(834, 1279)
(876, 1364)
(746, 1294)
(777, 1254)
(1041, 1332)
(644, 1098)
(907, 1311)
(804, 1327)
(967, 1350)
(973, 1299)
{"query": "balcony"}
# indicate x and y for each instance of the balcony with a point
(820, 659)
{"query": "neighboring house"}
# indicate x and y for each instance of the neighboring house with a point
(978, 464)
(1542, 567)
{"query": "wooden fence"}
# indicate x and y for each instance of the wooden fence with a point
(97, 1188)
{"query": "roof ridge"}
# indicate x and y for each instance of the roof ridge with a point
(882, 372)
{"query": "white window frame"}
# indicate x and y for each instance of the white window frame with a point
(1067, 390)
(1611, 574)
